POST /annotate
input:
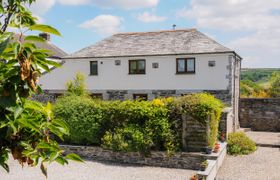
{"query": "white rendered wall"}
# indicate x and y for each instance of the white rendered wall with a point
(112, 77)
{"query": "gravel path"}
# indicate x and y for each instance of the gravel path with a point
(95, 171)
(264, 164)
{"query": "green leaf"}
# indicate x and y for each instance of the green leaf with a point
(44, 169)
(54, 156)
(59, 131)
(1, 9)
(34, 38)
(61, 160)
(53, 63)
(18, 112)
(4, 44)
(61, 123)
(45, 28)
(5, 166)
(74, 157)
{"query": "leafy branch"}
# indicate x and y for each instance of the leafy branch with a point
(27, 128)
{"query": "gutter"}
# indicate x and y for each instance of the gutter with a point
(179, 54)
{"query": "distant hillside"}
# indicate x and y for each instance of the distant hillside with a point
(259, 75)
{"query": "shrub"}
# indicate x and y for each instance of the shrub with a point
(128, 139)
(84, 118)
(77, 86)
(240, 144)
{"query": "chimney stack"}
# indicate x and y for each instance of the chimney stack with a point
(45, 36)
(174, 26)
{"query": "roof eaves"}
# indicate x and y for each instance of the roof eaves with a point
(175, 54)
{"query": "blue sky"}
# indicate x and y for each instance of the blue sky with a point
(250, 27)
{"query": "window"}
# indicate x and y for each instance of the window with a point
(93, 68)
(137, 66)
(97, 96)
(185, 65)
(143, 97)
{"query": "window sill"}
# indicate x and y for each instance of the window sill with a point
(184, 73)
(136, 73)
(93, 75)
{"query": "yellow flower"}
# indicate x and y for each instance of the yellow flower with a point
(157, 102)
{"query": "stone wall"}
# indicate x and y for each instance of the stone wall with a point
(223, 95)
(260, 114)
(182, 160)
(194, 135)
(227, 120)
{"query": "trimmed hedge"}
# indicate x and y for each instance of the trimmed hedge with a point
(111, 124)
(240, 144)
(139, 126)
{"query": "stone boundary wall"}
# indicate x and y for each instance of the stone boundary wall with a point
(260, 114)
(181, 160)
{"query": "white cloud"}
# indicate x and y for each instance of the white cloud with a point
(74, 2)
(40, 7)
(104, 24)
(254, 17)
(126, 4)
(149, 18)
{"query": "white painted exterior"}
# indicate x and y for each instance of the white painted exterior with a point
(113, 77)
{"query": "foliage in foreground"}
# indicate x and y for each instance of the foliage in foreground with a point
(240, 144)
(139, 126)
(26, 126)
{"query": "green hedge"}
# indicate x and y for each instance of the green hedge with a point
(85, 119)
(107, 123)
(135, 125)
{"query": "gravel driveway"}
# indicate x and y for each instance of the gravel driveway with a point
(264, 164)
(95, 171)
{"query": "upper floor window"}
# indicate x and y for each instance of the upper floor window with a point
(137, 66)
(185, 65)
(93, 68)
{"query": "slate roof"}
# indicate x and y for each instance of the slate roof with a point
(172, 42)
(55, 51)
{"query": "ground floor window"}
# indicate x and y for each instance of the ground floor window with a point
(97, 96)
(143, 97)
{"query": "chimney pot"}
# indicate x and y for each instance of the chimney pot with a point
(46, 36)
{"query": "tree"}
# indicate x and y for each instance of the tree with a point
(26, 126)
(77, 86)
(275, 85)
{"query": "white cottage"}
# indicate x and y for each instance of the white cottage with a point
(152, 64)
